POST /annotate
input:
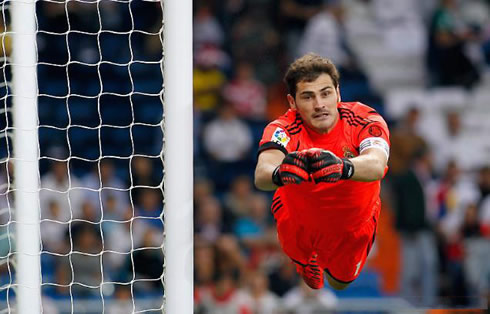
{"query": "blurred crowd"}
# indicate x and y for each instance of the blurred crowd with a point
(437, 189)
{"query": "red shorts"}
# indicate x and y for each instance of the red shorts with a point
(341, 255)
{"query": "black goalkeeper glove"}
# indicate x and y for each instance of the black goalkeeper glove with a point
(326, 167)
(292, 170)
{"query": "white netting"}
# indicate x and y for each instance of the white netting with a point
(101, 168)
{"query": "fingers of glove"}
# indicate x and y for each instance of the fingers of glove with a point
(298, 159)
(322, 158)
(291, 178)
(331, 173)
(317, 153)
(287, 170)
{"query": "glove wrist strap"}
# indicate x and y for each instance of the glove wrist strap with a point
(347, 169)
(276, 178)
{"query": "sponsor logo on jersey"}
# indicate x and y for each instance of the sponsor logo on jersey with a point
(280, 137)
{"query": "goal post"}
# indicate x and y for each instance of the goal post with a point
(26, 157)
(178, 155)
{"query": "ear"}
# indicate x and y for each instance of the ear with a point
(339, 99)
(291, 101)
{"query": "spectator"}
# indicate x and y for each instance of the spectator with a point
(263, 300)
(6, 47)
(57, 187)
(147, 263)
(143, 174)
(452, 144)
(120, 238)
(419, 258)
(238, 197)
(83, 269)
(484, 212)
(452, 195)
(475, 14)
(6, 175)
(89, 213)
(208, 79)
(324, 35)
(123, 302)
(255, 232)
(295, 14)
(226, 138)
(49, 306)
(405, 142)
(277, 104)
(476, 243)
(448, 36)
(245, 93)
(103, 183)
(52, 230)
(302, 299)
(224, 297)
(283, 277)
(112, 209)
(149, 208)
(208, 225)
(227, 141)
(204, 264)
(203, 188)
(256, 41)
(229, 257)
(206, 28)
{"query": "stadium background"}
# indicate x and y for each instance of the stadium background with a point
(424, 65)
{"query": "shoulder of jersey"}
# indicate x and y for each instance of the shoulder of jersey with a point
(291, 121)
(356, 113)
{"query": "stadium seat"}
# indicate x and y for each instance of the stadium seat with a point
(447, 98)
(148, 85)
(83, 111)
(398, 101)
(367, 285)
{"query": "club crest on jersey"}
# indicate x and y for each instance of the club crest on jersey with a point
(374, 130)
(347, 152)
(280, 137)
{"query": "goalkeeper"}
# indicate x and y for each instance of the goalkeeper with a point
(326, 159)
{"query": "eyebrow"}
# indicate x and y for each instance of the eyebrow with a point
(307, 92)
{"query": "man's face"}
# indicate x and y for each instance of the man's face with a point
(316, 102)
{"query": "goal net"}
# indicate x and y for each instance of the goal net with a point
(82, 151)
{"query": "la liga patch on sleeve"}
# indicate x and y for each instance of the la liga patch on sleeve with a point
(280, 137)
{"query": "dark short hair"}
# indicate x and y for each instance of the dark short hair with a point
(308, 68)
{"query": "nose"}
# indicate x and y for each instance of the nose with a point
(318, 104)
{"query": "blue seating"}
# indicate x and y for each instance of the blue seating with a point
(149, 85)
(115, 47)
(366, 285)
(53, 86)
(83, 111)
(149, 112)
(116, 114)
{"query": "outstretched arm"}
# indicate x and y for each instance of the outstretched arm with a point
(274, 169)
(267, 163)
(369, 165)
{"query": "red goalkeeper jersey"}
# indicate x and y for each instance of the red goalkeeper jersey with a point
(325, 207)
